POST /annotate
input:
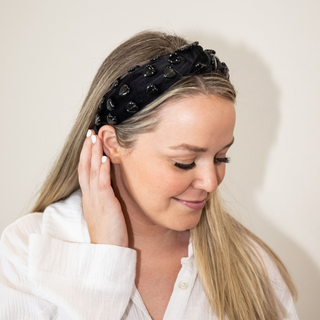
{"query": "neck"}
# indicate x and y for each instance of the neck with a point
(149, 237)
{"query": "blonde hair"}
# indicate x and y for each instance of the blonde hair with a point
(230, 266)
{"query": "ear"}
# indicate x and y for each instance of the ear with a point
(110, 144)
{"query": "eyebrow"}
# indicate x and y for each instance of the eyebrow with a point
(185, 146)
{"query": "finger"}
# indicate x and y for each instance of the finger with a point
(95, 164)
(85, 163)
(107, 195)
(105, 188)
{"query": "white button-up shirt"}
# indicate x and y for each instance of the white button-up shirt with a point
(50, 270)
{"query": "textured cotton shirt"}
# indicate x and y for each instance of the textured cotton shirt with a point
(50, 270)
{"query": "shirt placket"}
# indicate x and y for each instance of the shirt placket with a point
(182, 290)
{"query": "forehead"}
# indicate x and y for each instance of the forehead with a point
(199, 120)
(199, 113)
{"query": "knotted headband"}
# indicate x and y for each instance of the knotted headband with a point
(143, 84)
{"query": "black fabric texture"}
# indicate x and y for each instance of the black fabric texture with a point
(143, 84)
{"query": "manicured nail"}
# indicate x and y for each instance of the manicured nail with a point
(104, 159)
(88, 133)
(94, 139)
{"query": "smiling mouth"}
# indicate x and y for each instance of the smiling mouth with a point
(194, 205)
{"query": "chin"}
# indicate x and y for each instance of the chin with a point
(185, 223)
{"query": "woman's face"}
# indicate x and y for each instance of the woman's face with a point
(167, 176)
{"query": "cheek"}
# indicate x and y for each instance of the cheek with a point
(158, 180)
(168, 183)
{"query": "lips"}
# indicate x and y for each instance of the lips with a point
(194, 205)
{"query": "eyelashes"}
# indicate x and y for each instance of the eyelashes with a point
(192, 165)
(224, 160)
(185, 166)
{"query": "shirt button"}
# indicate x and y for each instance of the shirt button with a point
(183, 285)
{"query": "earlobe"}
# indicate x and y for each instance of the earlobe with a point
(110, 144)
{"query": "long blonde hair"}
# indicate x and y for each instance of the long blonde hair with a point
(230, 267)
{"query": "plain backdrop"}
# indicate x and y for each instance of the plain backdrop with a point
(50, 51)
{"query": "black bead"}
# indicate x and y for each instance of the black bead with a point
(101, 104)
(169, 72)
(184, 48)
(124, 90)
(214, 63)
(133, 68)
(110, 105)
(152, 90)
(188, 46)
(225, 70)
(112, 119)
(149, 71)
(210, 51)
(132, 107)
(115, 84)
(97, 120)
(201, 66)
(174, 58)
(155, 58)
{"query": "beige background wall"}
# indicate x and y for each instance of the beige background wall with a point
(50, 51)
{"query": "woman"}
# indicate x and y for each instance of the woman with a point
(132, 225)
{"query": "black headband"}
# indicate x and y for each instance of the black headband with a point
(143, 84)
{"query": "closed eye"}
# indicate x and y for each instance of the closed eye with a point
(184, 166)
(222, 160)
(190, 166)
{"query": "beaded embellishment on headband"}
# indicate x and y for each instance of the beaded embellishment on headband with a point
(143, 84)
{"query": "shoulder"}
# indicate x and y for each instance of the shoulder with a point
(15, 237)
(71, 206)
(64, 220)
(61, 220)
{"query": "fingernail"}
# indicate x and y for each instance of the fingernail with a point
(104, 159)
(88, 133)
(94, 139)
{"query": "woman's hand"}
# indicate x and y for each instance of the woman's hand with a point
(102, 210)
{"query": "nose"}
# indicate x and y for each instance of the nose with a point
(207, 178)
